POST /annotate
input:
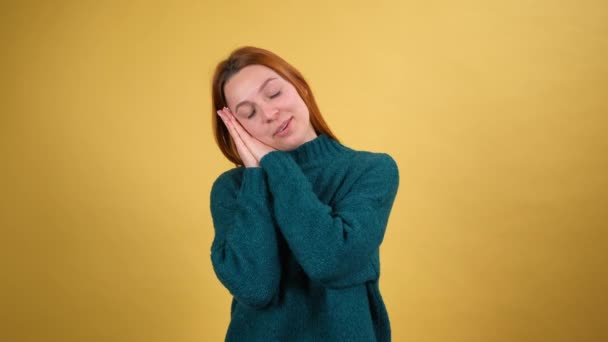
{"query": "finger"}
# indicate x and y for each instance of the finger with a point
(236, 125)
(231, 129)
(228, 122)
(222, 116)
(258, 148)
(229, 116)
(240, 129)
(246, 156)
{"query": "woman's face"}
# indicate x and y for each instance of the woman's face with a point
(269, 108)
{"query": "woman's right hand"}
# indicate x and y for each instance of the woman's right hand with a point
(246, 156)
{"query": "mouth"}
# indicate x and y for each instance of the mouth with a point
(283, 127)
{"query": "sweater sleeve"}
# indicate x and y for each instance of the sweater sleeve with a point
(244, 252)
(332, 243)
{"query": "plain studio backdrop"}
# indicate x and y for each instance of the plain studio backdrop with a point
(495, 112)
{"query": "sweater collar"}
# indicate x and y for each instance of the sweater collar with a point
(321, 148)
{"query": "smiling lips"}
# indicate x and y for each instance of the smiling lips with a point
(283, 128)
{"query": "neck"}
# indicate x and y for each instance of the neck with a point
(319, 149)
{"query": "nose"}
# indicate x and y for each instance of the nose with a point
(270, 112)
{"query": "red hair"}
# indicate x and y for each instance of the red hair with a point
(241, 58)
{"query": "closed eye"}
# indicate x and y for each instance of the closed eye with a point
(271, 96)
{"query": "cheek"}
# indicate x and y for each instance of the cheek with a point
(293, 102)
(251, 126)
(301, 107)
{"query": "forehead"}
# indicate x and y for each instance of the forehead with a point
(246, 82)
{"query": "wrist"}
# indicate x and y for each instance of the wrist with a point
(251, 164)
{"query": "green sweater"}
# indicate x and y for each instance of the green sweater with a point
(297, 244)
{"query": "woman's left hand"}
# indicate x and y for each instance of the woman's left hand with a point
(256, 147)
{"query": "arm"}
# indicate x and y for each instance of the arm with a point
(244, 252)
(332, 244)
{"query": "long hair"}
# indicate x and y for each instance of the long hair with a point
(241, 58)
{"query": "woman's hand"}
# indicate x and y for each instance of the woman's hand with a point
(246, 156)
(250, 149)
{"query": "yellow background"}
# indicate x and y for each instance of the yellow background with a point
(496, 113)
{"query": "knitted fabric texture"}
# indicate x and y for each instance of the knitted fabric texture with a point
(297, 244)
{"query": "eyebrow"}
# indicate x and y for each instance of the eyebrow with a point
(259, 90)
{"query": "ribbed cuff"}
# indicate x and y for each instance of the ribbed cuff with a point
(279, 164)
(253, 183)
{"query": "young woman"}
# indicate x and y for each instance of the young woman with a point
(299, 221)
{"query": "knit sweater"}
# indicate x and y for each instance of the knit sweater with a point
(297, 244)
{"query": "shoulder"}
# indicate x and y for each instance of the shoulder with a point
(378, 159)
(379, 163)
(227, 181)
(232, 175)
(377, 170)
(370, 176)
